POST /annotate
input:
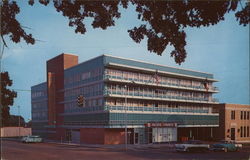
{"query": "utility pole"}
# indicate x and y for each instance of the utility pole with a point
(1, 56)
(1, 117)
(19, 116)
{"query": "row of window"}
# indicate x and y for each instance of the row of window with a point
(39, 115)
(39, 105)
(145, 91)
(83, 76)
(244, 115)
(68, 107)
(35, 94)
(244, 131)
(155, 78)
(86, 91)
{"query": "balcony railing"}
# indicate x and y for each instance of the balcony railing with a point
(215, 100)
(169, 97)
(164, 84)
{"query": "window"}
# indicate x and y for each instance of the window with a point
(94, 102)
(232, 114)
(241, 131)
(100, 102)
(247, 131)
(241, 114)
(244, 131)
(248, 115)
(156, 104)
(245, 115)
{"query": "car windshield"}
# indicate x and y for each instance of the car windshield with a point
(193, 142)
(225, 142)
(34, 136)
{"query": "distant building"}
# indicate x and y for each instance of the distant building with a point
(14, 131)
(235, 122)
(154, 103)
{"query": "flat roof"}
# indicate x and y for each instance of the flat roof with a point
(157, 67)
(147, 65)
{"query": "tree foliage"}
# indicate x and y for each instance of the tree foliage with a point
(14, 121)
(163, 22)
(7, 98)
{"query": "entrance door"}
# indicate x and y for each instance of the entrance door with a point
(75, 136)
(68, 135)
(136, 138)
(150, 137)
(232, 133)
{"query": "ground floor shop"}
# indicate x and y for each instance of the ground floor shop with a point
(150, 133)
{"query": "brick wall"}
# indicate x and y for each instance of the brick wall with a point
(92, 135)
(230, 119)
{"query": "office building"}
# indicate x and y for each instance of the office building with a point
(123, 99)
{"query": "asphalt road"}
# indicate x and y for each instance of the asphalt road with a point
(12, 150)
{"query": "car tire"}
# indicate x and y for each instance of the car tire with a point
(204, 150)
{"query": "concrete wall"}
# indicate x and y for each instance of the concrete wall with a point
(15, 131)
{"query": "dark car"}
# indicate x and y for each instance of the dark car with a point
(225, 146)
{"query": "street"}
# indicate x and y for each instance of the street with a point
(13, 150)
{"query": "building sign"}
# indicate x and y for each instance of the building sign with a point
(160, 124)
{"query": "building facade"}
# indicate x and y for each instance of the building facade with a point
(234, 122)
(147, 103)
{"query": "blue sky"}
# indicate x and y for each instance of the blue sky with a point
(222, 50)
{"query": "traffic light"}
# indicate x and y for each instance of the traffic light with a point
(80, 101)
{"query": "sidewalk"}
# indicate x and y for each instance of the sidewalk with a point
(117, 146)
(107, 146)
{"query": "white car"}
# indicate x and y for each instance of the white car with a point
(32, 139)
(192, 145)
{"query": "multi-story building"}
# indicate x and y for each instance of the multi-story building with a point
(123, 99)
(234, 122)
(39, 109)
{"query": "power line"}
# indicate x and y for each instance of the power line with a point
(25, 90)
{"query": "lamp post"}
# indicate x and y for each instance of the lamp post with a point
(126, 116)
(126, 129)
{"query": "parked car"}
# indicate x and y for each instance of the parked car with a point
(226, 146)
(192, 145)
(32, 139)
